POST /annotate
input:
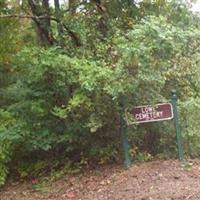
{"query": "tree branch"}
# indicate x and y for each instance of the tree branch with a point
(28, 17)
(70, 33)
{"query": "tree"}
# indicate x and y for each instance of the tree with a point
(64, 94)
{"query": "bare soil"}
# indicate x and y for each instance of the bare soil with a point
(156, 180)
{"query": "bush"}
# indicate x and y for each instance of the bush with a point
(64, 104)
(6, 121)
(189, 113)
(69, 106)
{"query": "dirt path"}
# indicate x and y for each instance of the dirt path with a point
(157, 180)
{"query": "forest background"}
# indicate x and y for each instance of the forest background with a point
(66, 68)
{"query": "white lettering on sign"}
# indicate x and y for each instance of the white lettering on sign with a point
(148, 115)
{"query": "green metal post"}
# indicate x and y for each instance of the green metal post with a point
(125, 145)
(177, 126)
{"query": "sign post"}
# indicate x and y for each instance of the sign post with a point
(177, 126)
(149, 113)
(124, 138)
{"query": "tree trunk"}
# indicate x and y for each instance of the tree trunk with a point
(59, 25)
(43, 25)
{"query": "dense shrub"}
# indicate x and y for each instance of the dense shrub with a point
(64, 105)
(73, 103)
(189, 113)
(6, 123)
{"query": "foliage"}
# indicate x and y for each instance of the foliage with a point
(64, 94)
(6, 121)
(190, 126)
(157, 57)
(9, 40)
(64, 106)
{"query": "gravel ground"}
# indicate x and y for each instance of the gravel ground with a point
(156, 180)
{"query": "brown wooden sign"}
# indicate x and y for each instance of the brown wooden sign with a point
(148, 113)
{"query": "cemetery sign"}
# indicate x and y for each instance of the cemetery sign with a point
(149, 113)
